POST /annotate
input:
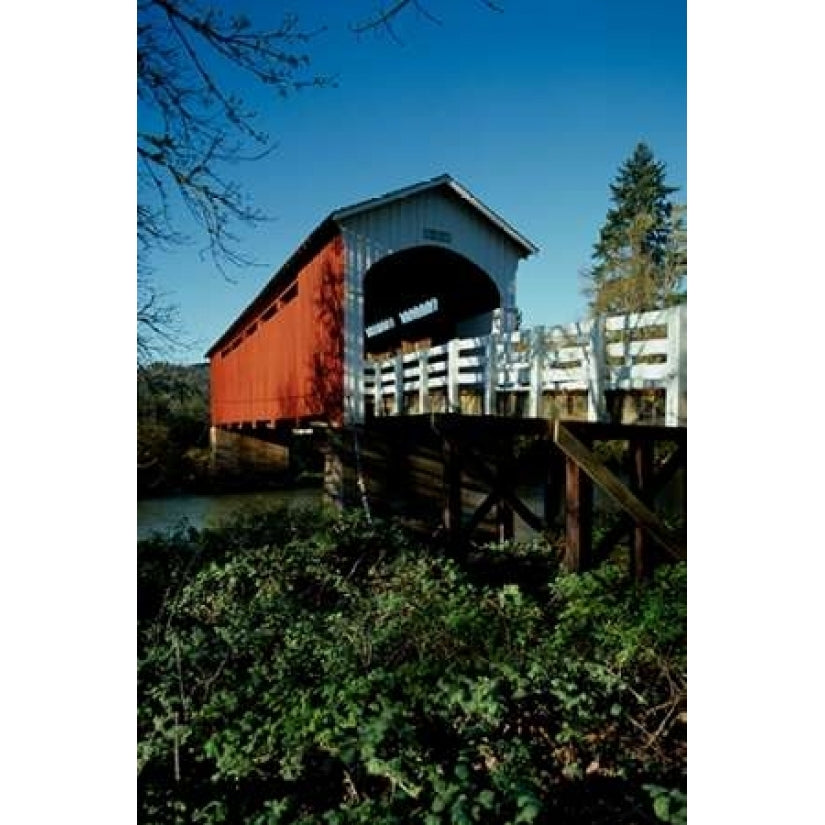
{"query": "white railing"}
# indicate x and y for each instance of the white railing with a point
(527, 371)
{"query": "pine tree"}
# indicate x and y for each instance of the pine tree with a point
(640, 258)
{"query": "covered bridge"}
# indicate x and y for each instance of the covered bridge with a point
(418, 266)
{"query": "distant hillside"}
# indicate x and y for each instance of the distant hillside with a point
(170, 389)
(173, 427)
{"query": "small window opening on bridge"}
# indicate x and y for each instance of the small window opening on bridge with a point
(379, 327)
(290, 294)
(268, 313)
(421, 310)
(251, 330)
(405, 316)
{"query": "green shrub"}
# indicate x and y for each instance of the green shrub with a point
(303, 668)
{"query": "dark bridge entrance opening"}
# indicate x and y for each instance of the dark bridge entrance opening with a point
(425, 296)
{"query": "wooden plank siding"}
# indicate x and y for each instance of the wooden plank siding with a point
(287, 362)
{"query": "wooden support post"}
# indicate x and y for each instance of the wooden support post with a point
(578, 515)
(333, 495)
(581, 455)
(553, 484)
(642, 458)
(654, 485)
(213, 449)
(505, 523)
(452, 493)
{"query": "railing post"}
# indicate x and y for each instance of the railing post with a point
(452, 374)
(490, 377)
(676, 389)
(379, 396)
(369, 374)
(399, 383)
(536, 371)
(594, 356)
(423, 381)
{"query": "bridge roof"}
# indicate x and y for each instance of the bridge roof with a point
(330, 225)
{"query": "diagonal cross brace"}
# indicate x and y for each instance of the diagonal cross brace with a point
(640, 512)
(663, 475)
(501, 491)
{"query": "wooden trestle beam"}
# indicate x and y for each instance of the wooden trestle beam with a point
(642, 515)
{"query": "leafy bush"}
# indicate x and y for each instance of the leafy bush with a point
(300, 668)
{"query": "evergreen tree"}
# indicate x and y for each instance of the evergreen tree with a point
(640, 258)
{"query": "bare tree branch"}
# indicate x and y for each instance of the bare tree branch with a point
(387, 13)
(191, 125)
(192, 59)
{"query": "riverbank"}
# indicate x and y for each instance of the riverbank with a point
(178, 469)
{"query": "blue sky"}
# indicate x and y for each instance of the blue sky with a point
(533, 109)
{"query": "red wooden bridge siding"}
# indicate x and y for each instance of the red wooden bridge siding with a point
(285, 358)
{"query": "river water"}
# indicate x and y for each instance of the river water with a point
(170, 512)
(162, 514)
